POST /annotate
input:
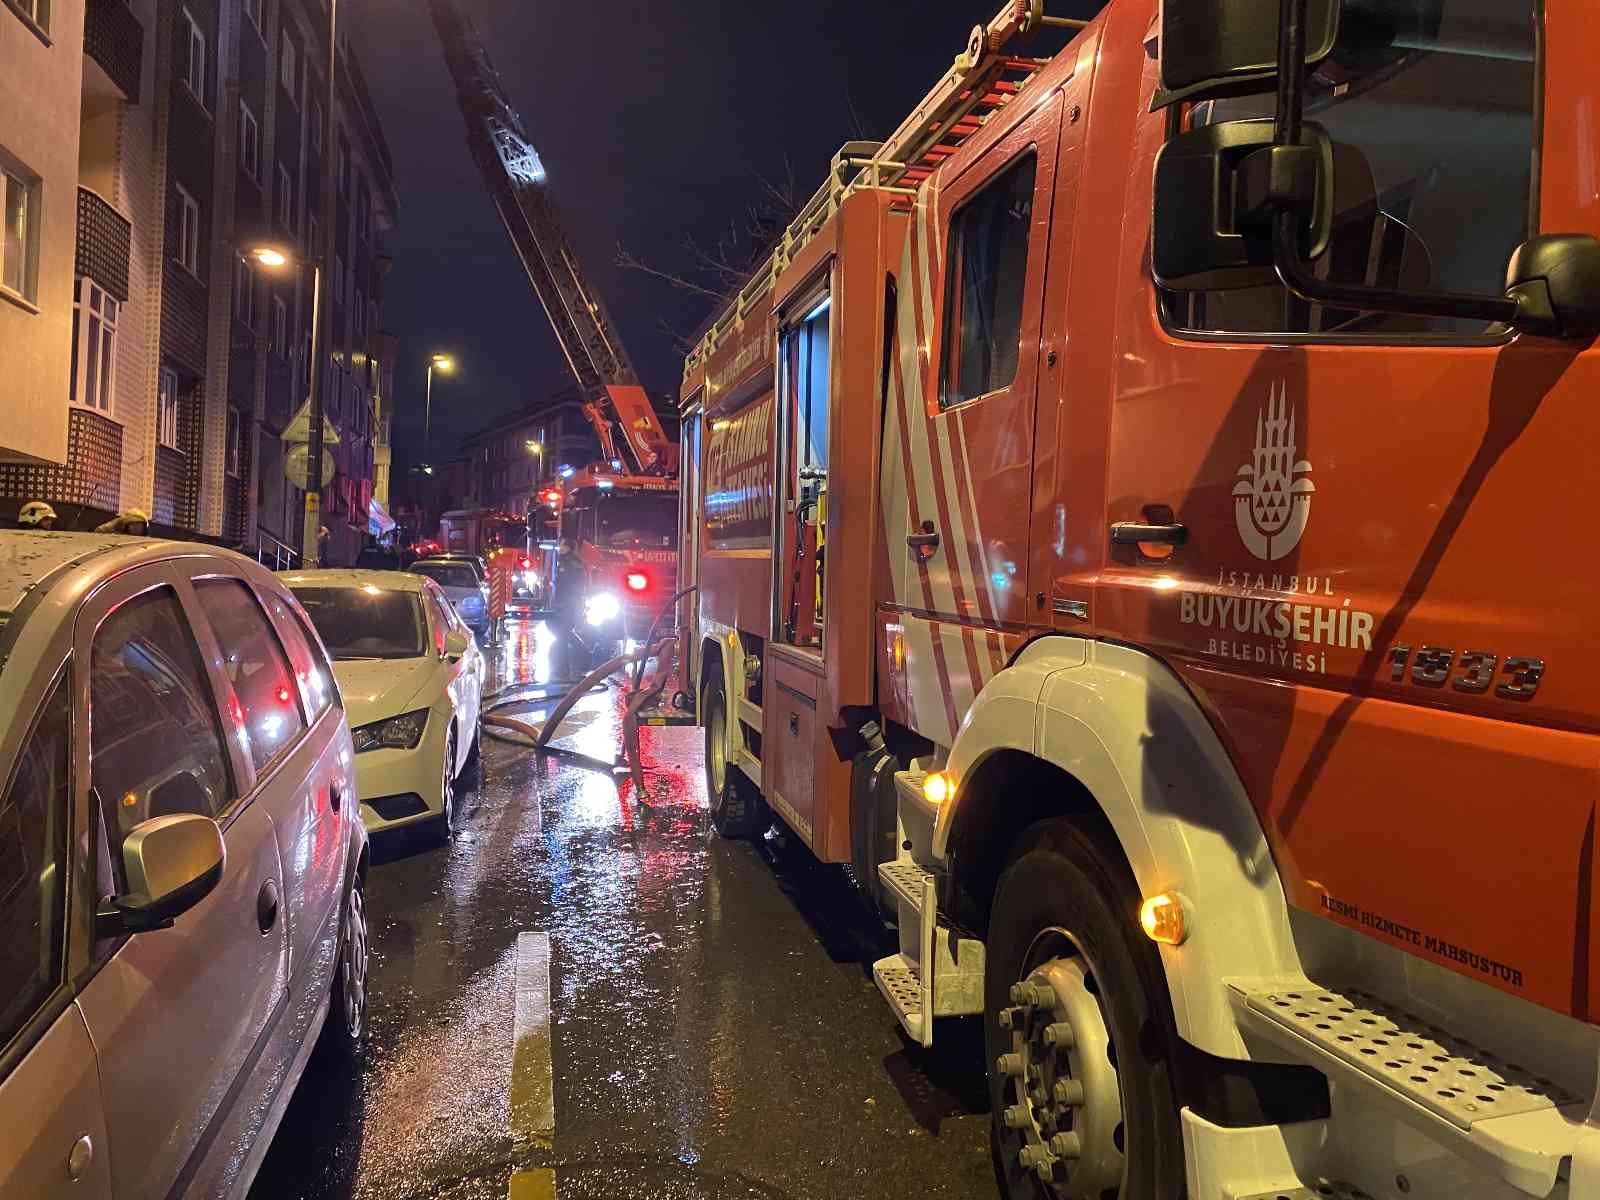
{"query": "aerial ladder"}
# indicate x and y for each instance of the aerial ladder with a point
(631, 436)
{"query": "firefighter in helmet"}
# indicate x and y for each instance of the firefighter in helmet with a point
(135, 522)
(36, 514)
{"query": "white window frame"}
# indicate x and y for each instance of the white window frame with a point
(13, 181)
(94, 329)
(284, 200)
(196, 42)
(249, 142)
(280, 327)
(167, 409)
(232, 439)
(289, 66)
(188, 255)
(244, 293)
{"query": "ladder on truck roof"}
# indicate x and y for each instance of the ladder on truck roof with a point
(512, 172)
(982, 80)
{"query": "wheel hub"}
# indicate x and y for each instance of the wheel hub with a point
(717, 729)
(355, 965)
(1061, 1088)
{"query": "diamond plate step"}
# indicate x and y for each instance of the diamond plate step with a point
(1477, 1102)
(900, 982)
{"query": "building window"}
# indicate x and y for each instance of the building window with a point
(167, 409)
(285, 198)
(194, 70)
(244, 293)
(19, 249)
(280, 327)
(249, 142)
(252, 9)
(94, 346)
(232, 442)
(37, 11)
(314, 119)
(188, 231)
(289, 67)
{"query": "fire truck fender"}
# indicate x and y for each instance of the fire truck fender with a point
(1122, 727)
(720, 643)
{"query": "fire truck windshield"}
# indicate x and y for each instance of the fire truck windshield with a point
(636, 519)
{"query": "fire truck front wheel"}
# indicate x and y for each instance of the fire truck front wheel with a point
(1078, 1029)
(737, 808)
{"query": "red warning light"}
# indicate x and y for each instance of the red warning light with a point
(283, 694)
(637, 581)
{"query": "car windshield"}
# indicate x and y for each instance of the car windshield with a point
(646, 519)
(366, 622)
(450, 575)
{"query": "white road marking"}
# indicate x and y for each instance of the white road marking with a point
(533, 1103)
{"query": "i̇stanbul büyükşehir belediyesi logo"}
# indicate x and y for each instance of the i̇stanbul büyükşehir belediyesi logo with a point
(1272, 500)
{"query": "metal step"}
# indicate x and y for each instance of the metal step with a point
(1462, 1095)
(1323, 1189)
(901, 984)
(905, 879)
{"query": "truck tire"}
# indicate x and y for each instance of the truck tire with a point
(874, 826)
(737, 808)
(1094, 1113)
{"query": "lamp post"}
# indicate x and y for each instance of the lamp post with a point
(445, 364)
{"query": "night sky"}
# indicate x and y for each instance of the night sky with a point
(654, 121)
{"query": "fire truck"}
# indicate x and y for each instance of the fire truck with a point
(613, 566)
(1133, 515)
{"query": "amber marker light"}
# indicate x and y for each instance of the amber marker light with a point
(937, 788)
(1165, 919)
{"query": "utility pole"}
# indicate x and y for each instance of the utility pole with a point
(311, 546)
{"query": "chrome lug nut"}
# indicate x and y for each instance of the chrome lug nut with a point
(1059, 1035)
(1015, 1117)
(1069, 1092)
(1009, 1064)
(1067, 1145)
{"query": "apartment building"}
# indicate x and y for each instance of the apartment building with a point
(153, 144)
(509, 461)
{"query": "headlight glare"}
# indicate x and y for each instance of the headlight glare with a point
(602, 607)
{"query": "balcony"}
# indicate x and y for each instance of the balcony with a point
(113, 38)
(104, 242)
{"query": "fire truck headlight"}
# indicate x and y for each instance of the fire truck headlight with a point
(602, 607)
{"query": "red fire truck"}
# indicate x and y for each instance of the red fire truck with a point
(1133, 514)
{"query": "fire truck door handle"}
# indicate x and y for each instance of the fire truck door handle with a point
(1127, 533)
(927, 541)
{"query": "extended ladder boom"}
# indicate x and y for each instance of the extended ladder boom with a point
(515, 178)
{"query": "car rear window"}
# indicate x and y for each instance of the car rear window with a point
(451, 575)
(366, 621)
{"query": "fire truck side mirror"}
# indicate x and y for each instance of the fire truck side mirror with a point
(1555, 280)
(1216, 48)
(1213, 223)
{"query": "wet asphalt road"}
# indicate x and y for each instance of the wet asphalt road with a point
(714, 1028)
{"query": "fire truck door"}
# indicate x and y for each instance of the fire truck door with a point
(1374, 593)
(976, 254)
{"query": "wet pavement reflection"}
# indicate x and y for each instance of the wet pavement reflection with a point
(715, 1030)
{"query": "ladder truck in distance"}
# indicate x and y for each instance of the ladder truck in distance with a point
(613, 563)
(1131, 513)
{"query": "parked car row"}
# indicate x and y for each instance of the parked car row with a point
(186, 742)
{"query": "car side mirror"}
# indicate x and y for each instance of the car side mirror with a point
(1216, 48)
(456, 643)
(1213, 226)
(171, 863)
(1555, 280)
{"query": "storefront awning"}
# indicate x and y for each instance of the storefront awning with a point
(379, 523)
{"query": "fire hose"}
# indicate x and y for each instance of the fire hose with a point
(643, 695)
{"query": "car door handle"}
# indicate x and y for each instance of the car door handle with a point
(1128, 533)
(335, 796)
(267, 907)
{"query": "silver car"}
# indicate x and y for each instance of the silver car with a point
(465, 587)
(181, 866)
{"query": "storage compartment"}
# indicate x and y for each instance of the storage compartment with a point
(790, 743)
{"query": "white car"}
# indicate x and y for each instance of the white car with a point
(412, 678)
(462, 584)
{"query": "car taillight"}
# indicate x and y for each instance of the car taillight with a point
(637, 581)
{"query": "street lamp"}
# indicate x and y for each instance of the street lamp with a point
(445, 364)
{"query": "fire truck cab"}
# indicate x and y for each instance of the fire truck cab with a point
(614, 567)
(1129, 529)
